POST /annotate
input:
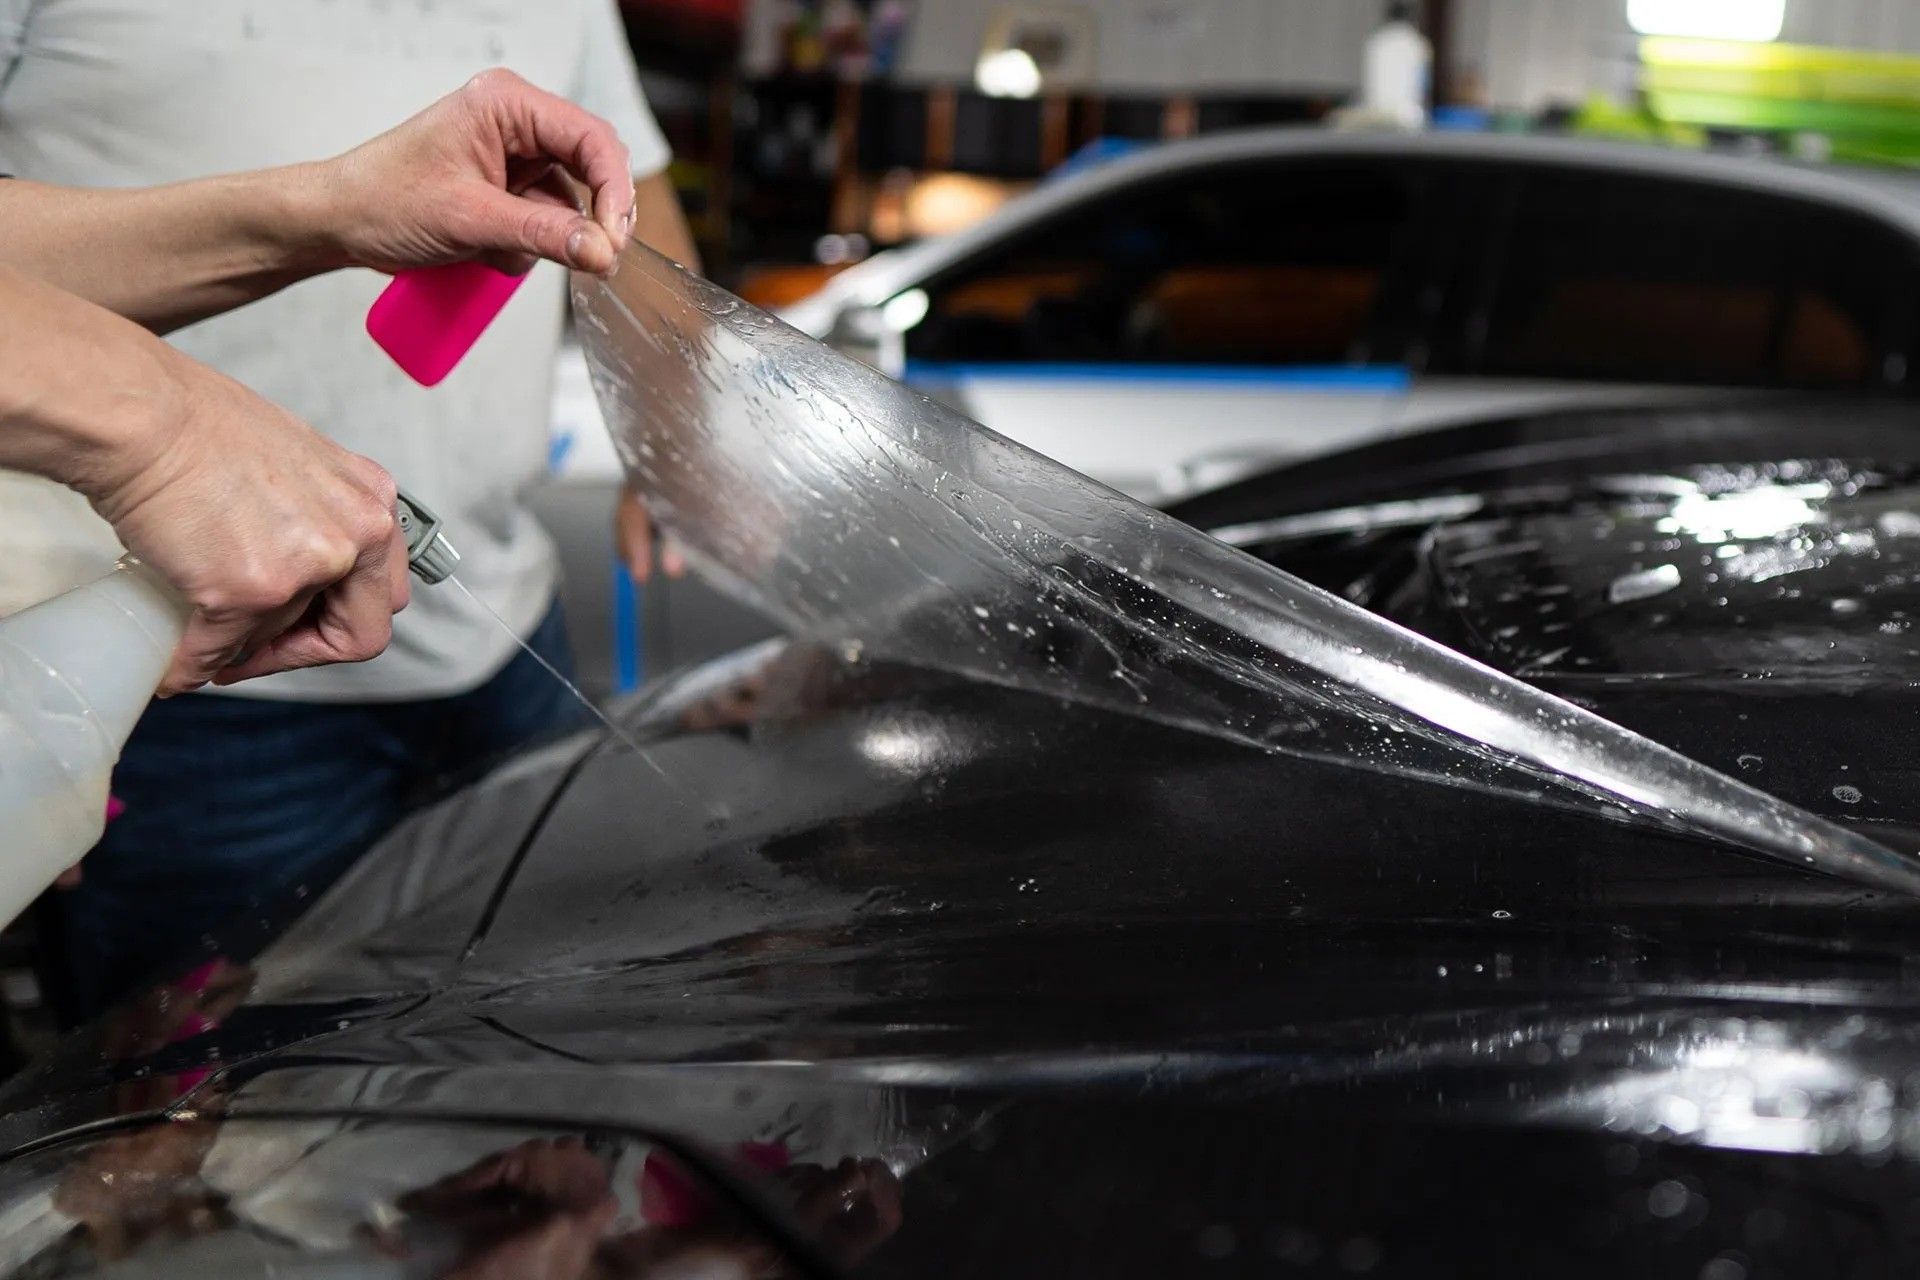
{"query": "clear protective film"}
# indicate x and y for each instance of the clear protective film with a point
(885, 527)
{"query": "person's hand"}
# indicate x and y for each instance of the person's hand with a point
(134, 1185)
(534, 1212)
(285, 544)
(849, 1210)
(475, 175)
(636, 536)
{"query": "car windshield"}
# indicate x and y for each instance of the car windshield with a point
(882, 526)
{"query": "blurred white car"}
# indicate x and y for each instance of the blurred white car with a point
(1171, 320)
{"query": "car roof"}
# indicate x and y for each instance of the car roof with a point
(1891, 197)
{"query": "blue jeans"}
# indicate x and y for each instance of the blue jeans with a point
(231, 802)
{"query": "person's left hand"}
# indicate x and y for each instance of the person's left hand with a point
(475, 175)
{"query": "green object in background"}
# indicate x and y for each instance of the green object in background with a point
(1602, 117)
(1866, 104)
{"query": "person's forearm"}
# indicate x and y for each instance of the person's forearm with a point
(167, 256)
(82, 391)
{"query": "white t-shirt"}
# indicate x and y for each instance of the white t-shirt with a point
(108, 93)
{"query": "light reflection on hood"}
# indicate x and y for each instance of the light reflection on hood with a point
(1752, 513)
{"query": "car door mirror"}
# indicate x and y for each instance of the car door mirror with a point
(872, 336)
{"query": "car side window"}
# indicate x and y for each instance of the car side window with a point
(1271, 264)
(1616, 278)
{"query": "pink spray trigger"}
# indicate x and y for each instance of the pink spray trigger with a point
(429, 318)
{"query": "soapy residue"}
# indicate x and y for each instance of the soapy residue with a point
(879, 524)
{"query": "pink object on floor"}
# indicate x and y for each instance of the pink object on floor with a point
(428, 319)
(115, 807)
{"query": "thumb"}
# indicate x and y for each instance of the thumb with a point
(506, 223)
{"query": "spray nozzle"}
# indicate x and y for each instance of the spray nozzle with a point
(429, 554)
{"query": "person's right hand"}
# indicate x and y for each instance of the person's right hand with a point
(285, 544)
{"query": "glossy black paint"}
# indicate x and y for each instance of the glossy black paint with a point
(1111, 997)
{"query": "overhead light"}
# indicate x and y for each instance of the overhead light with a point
(1007, 73)
(1756, 20)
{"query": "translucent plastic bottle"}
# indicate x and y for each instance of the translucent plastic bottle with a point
(1397, 65)
(75, 674)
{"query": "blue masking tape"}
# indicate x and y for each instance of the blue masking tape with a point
(629, 663)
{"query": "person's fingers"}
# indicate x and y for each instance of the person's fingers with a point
(580, 141)
(399, 573)
(641, 540)
(208, 646)
(228, 988)
(213, 640)
(435, 1198)
(285, 652)
(554, 189)
(613, 207)
(633, 532)
(352, 622)
(524, 176)
(504, 223)
(509, 264)
(601, 161)
(542, 184)
(353, 625)
(883, 1195)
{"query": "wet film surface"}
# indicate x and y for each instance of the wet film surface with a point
(869, 519)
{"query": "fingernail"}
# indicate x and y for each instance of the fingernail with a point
(576, 244)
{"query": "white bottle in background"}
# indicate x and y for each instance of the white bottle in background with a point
(1397, 69)
(75, 674)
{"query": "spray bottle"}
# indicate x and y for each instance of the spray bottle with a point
(75, 673)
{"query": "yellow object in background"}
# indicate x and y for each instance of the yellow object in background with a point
(1864, 105)
(1804, 73)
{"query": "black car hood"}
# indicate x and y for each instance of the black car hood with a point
(1094, 966)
